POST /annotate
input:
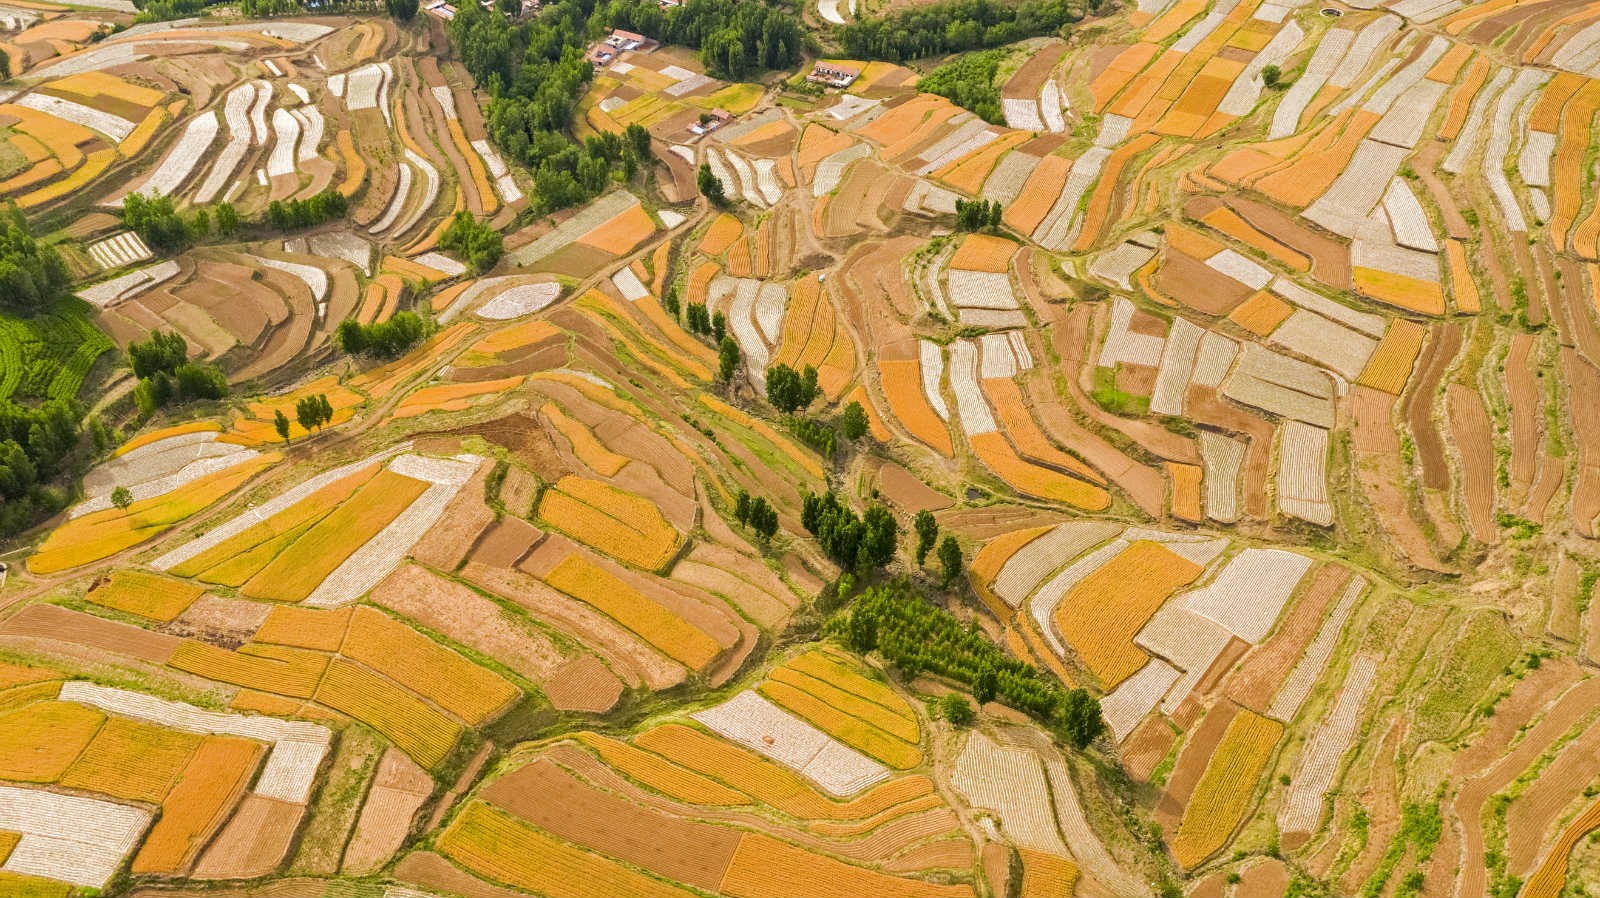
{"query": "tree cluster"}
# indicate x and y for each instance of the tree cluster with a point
(313, 411)
(978, 215)
(167, 10)
(859, 543)
(969, 82)
(700, 321)
(789, 390)
(34, 446)
(728, 357)
(32, 275)
(710, 186)
(157, 222)
(479, 245)
(756, 513)
(534, 73)
(816, 434)
(737, 40)
(296, 214)
(384, 339)
(167, 376)
(917, 636)
(402, 10)
(954, 26)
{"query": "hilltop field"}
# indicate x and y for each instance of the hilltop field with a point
(925, 449)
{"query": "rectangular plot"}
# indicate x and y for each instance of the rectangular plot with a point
(1246, 596)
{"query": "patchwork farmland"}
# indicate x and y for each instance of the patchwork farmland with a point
(916, 449)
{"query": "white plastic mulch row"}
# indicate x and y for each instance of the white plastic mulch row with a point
(1581, 52)
(1212, 361)
(236, 111)
(720, 171)
(747, 180)
(184, 157)
(68, 838)
(1200, 549)
(114, 126)
(298, 747)
(761, 726)
(981, 290)
(446, 100)
(1134, 698)
(497, 169)
(1117, 264)
(830, 171)
(998, 357)
(972, 410)
(829, 11)
(1358, 189)
(430, 191)
(1281, 369)
(396, 204)
(741, 323)
(1028, 566)
(1177, 363)
(1402, 81)
(1424, 11)
(368, 565)
(1501, 131)
(1241, 268)
(1374, 247)
(363, 85)
(768, 311)
(929, 277)
(1051, 101)
(258, 112)
(848, 106)
(128, 285)
(441, 263)
(628, 284)
(1331, 345)
(1281, 385)
(1308, 670)
(1006, 181)
(1122, 345)
(1534, 162)
(1404, 123)
(1011, 783)
(1221, 458)
(1407, 219)
(119, 250)
(296, 89)
(315, 279)
(286, 134)
(1365, 322)
(1331, 49)
(1249, 591)
(161, 475)
(1468, 140)
(931, 362)
(1319, 762)
(253, 516)
(767, 180)
(311, 127)
(1189, 641)
(1302, 477)
(520, 300)
(1057, 230)
(929, 198)
(1247, 86)
(970, 143)
(1201, 30)
(1022, 114)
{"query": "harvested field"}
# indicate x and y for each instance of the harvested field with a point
(670, 634)
(148, 595)
(1100, 615)
(625, 526)
(467, 690)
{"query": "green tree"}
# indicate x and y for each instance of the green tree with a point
(5, 66)
(710, 186)
(789, 390)
(121, 497)
(957, 709)
(307, 413)
(280, 423)
(949, 561)
(227, 219)
(853, 422)
(727, 358)
(1271, 75)
(32, 275)
(927, 527)
(403, 10)
(479, 245)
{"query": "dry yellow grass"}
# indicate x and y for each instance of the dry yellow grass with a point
(504, 849)
(1185, 491)
(1229, 222)
(454, 397)
(102, 534)
(319, 629)
(968, 173)
(254, 426)
(447, 679)
(414, 727)
(136, 141)
(1261, 314)
(1223, 794)
(764, 867)
(996, 552)
(302, 566)
(38, 742)
(1463, 288)
(235, 560)
(151, 436)
(277, 669)
(980, 252)
(509, 340)
(662, 775)
(217, 774)
(1035, 480)
(355, 167)
(843, 674)
(899, 725)
(622, 233)
(832, 719)
(723, 231)
(672, 635)
(146, 594)
(624, 525)
(93, 167)
(589, 450)
(132, 760)
(1100, 615)
(769, 783)
(1391, 363)
(1401, 291)
(1046, 875)
(901, 380)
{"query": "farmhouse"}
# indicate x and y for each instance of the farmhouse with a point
(833, 75)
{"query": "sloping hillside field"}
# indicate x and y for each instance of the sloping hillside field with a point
(919, 449)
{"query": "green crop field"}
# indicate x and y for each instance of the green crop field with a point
(48, 355)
